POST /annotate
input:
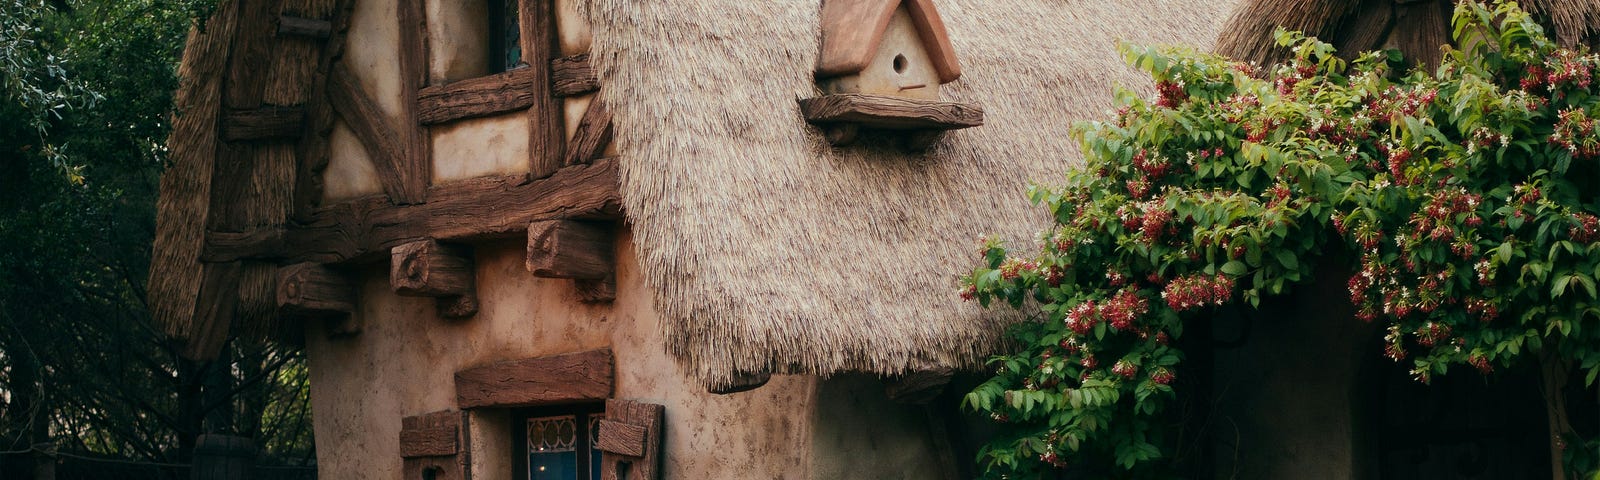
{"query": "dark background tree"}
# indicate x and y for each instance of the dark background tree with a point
(84, 115)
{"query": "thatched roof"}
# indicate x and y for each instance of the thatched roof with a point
(768, 249)
(1416, 27)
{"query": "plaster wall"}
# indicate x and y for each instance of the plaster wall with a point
(496, 145)
(350, 171)
(860, 433)
(458, 40)
(370, 52)
(911, 75)
(404, 360)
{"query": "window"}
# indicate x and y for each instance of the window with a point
(505, 47)
(557, 443)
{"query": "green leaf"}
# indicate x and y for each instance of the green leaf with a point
(1234, 268)
(1287, 259)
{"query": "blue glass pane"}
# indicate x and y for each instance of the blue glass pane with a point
(512, 34)
(553, 466)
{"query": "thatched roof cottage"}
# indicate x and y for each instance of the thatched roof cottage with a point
(676, 239)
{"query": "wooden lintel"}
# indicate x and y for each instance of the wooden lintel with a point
(592, 135)
(477, 97)
(622, 438)
(918, 387)
(560, 379)
(383, 138)
(890, 112)
(427, 268)
(304, 27)
(310, 290)
(569, 249)
(431, 435)
(265, 123)
(572, 76)
(742, 382)
(476, 209)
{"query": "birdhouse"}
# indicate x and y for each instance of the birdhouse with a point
(881, 66)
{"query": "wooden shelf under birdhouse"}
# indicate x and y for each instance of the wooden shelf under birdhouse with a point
(843, 115)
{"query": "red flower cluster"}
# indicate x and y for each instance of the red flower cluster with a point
(1395, 102)
(1195, 291)
(1153, 166)
(1483, 309)
(1123, 308)
(1432, 333)
(1162, 376)
(1170, 94)
(1586, 228)
(1013, 268)
(1125, 369)
(1575, 131)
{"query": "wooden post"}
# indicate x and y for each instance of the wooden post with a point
(569, 249)
(630, 440)
(222, 457)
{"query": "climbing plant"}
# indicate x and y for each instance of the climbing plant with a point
(1466, 195)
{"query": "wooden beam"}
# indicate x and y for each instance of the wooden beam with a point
(546, 140)
(622, 438)
(742, 382)
(889, 112)
(265, 123)
(310, 290)
(251, 57)
(918, 387)
(214, 310)
(480, 208)
(436, 434)
(312, 152)
(427, 268)
(592, 135)
(385, 144)
(571, 76)
(560, 379)
(477, 97)
(304, 27)
(569, 249)
(415, 165)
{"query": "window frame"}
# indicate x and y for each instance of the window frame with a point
(583, 414)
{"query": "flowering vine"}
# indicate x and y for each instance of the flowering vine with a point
(1466, 195)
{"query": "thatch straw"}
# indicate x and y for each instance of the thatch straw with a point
(768, 250)
(186, 186)
(1418, 29)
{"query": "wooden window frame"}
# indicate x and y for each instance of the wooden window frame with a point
(584, 448)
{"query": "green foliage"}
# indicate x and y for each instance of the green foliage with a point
(1467, 194)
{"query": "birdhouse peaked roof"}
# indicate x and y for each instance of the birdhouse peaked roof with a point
(853, 29)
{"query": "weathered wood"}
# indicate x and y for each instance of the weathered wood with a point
(647, 465)
(435, 442)
(569, 249)
(252, 49)
(266, 123)
(592, 135)
(477, 97)
(214, 310)
(597, 291)
(304, 27)
(571, 76)
(571, 378)
(622, 438)
(312, 151)
(918, 387)
(742, 382)
(547, 138)
(890, 113)
(428, 442)
(853, 29)
(415, 165)
(314, 291)
(427, 268)
(475, 209)
(383, 138)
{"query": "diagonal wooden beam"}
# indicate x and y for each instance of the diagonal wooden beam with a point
(592, 135)
(382, 137)
(311, 153)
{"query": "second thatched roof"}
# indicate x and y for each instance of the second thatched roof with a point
(769, 250)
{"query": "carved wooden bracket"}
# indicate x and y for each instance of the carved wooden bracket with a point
(436, 443)
(554, 380)
(427, 268)
(581, 251)
(310, 291)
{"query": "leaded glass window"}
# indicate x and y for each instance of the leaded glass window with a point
(558, 445)
(505, 36)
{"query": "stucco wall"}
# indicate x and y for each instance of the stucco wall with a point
(404, 360)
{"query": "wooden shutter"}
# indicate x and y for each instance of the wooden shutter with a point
(435, 442)
(630, 441)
